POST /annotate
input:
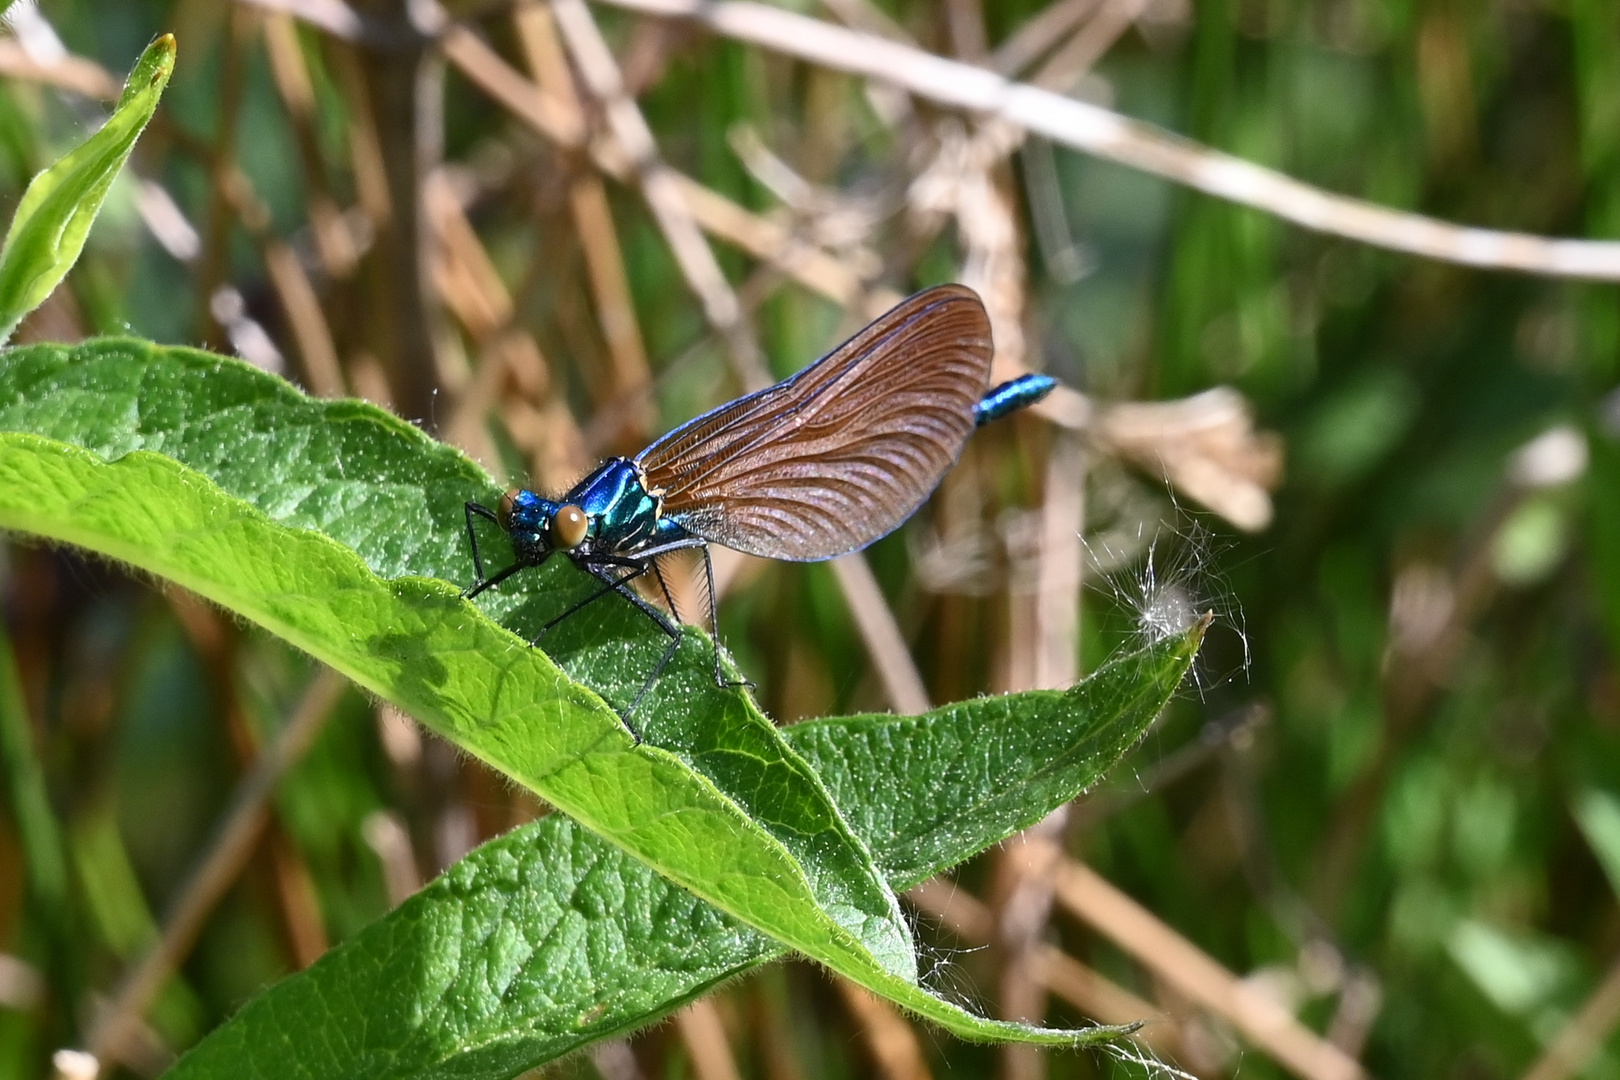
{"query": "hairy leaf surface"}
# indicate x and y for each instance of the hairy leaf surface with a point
(326, 523)
(548, 938)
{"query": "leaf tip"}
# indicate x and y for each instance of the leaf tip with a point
(1189, 641)
(152, 70)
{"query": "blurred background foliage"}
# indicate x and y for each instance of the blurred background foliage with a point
(1391, 805)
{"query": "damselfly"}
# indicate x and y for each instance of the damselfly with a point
(819, 465)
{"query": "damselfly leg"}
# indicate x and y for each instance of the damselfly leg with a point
(483, 583)
(720, 679)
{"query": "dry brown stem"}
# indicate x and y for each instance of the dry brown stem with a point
(305, 317)
(296, 89)
(387, 836)
(1088, 128)
(227, 853)
(1106, 134)
(210, 263)
(74, 73)
(1093, 994)
(1043, 31)
(902, 684)
(1205, 445)
(661, 188)
(892, 1040)
(472, 288)
(1193, 972)
(705, 1039)
(400, 91)
(629, 377)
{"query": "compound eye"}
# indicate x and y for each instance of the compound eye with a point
(567, 528)
(504, 514)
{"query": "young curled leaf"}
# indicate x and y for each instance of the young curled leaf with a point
(61, 203)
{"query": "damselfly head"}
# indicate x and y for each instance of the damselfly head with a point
(527, 519)
(567, 528)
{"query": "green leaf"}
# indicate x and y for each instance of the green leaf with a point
(62, 202)
(926, 792)
(351, 471)
(548, 938)
(289, 495)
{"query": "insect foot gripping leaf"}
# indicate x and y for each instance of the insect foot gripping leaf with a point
(62, 202)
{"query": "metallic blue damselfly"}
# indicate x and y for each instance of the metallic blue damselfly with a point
(819, 465)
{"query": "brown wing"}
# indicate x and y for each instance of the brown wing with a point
(840, 454)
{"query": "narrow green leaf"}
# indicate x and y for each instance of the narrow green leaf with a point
(53, 908)
(37, 826)
(548, 938)
(274, 467)
(61, 203)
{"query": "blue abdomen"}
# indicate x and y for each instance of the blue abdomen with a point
(1012, 396)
